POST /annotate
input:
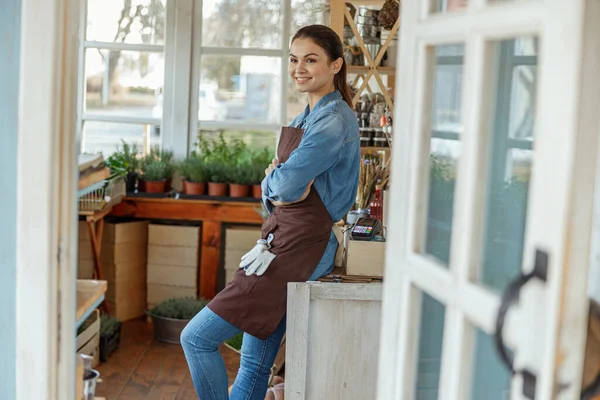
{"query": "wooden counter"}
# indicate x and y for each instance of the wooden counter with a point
(90, 293)
(213, 213)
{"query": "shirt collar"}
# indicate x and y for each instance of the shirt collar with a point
(335, 95)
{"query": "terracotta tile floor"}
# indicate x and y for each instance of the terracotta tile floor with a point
(143, 368)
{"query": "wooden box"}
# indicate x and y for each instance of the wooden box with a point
(332, 341)
(117, 240)
(365, 258)
(126, 290)
(173, 255)
(123, 259)
(88, 341)
(238, 241)
(173, 235)
(172, 267)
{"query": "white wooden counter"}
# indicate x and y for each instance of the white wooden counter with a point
(332, 341)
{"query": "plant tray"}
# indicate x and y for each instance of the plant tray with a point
(109, 343)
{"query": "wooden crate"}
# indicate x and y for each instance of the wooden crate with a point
(365, 258)
(126, 292)
(88, 341)
(173, 235)
(172, 265)
(238, 241)
(172, 275)
(119, 232)
(122, 242)
(332, 341)
(173, 255)
(158, 293)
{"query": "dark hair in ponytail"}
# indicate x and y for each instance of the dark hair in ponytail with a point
(329, 41)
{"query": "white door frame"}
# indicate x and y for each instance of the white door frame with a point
(47, 208)
(567, 113)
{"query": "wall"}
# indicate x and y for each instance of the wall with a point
(10, 26)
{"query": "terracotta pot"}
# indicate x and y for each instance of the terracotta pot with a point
(256, 191)
(194, 188)
(237, 190)
(155, 186)
(217, 189)
(183, 186)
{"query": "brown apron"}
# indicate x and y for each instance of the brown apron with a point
(256, 304)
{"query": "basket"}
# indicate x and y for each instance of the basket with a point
(107, 195)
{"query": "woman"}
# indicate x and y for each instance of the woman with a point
(312, 184)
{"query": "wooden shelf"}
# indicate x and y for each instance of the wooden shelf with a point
(363, 69)
(363, 149)
(90, 294)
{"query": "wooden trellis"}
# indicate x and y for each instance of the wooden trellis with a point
(372, 69)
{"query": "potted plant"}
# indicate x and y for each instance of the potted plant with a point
(240, 179)
(172, 315)
(156, 175)
(260, 160)
(194, 172)
(125, 161)
(110, 336)
(217, 172)
(157, 154)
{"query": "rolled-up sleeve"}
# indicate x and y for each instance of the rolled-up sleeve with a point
(318, 151)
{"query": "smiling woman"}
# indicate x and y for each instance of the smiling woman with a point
(312, 183)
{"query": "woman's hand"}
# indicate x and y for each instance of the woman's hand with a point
(272, 166)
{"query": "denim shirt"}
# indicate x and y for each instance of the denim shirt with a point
(329, 152)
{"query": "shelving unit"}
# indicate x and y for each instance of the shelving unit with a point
(339, 14)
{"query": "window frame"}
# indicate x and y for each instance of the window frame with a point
(183, 52)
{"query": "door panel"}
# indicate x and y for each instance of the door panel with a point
(469, 210)
(509, 161)
(444, 148)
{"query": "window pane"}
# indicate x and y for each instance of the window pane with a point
(124, 83)
(431, 334)
(491, 379)
(242, 88)
(307, 12)
(444, 151)
(104, 137)
(443, 6)
(304, 12)
(242, 23)
(510, 164)
(126, 21)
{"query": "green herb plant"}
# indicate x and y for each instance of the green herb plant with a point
(178, 308)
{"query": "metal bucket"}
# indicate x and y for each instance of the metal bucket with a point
(89, 384)
(168, 329)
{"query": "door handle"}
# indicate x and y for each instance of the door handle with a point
(510, 297)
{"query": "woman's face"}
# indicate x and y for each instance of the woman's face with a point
(310, 68)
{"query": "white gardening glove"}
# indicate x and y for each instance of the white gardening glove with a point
(257, 260)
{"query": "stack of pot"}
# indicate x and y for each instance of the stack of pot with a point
(369, 29)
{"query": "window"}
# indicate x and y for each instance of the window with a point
(137, 76)
(123, 74)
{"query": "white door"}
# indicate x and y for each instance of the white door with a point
(491, 203)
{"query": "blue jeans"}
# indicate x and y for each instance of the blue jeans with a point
(200, 340)
(206, 331)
